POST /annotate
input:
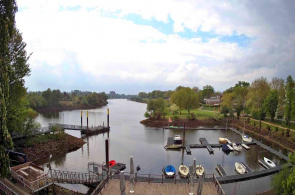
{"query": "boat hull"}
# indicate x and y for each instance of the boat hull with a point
(222, 140)
(240, 168)
(269, 162)
(200, 170)
(183, 171)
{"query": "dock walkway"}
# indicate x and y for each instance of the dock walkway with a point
(221, 170)
(248, 170)
(279, 154)
(204, 141)
(113, 188)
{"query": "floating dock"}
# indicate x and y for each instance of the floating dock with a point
(248, 170)
(221, 170)
(204, 141)
(188, 150)
(118, 167)
(171, 145)
(263, 164)
(228, 141)
(245, 146)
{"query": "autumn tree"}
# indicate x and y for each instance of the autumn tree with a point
(156, 107)
(279, 85)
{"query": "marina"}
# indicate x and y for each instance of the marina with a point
(205, 142)
(144, 142)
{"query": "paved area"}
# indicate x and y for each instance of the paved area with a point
(144, 188)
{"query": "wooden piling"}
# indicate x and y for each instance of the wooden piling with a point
(87, 120)
(107, 152)
(81, 118)
(108, 118)
(183, 135)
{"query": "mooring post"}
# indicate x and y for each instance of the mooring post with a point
(81, 119)
(108, 118)
(107, 152)
(183, 135)
(87, 121)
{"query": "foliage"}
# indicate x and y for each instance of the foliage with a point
(174, 109)
(7, 28)
(290, 98)
(284, 181)
(278, 85)
(208, 91)
(227, 103)
(270, 104)
(185, 98)
(258, 91)
(156, 107)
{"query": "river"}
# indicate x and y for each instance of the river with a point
(128, 137)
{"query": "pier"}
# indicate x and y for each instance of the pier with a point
(204, 141)
(188, 150)
(248, 170)
(263, 164)
(221, 170)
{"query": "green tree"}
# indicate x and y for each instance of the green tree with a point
(284, 181)
(227, 103)
(185, 98)
(208, 91)
(8, 8)
(257, 93)
(156, 107)
(290, 96)
(271, 103)
(240, 92)
(174, 109)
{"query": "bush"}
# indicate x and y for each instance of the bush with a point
(191, 116)
(288, 133)
(147, 115)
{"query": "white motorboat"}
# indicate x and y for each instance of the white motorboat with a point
(237, 147)
(177, 140)
(269, 162)
(200, 170)
(240, 168)
(183, 171)
(229, 147)
(247, 138)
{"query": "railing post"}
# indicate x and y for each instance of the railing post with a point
(175, 179)
(149, 178)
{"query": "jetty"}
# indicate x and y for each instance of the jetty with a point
(171, 145)
(245, 146)
(204, 141)
(263, 164)
(221, 170)
(248, 170)
(188, 150)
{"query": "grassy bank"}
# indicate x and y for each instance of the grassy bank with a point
(199, 114)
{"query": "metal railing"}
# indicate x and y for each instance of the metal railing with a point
(74, 177)
(6, 189)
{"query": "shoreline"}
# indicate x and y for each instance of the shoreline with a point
(66, 108)
(281, 141)
(62, 145)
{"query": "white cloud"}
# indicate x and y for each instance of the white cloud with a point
(111, 49)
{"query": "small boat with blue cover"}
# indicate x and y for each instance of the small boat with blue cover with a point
(169, 171)
(225, 148)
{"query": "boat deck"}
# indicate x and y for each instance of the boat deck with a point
(248, 170)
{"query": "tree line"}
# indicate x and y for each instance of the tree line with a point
(275, 98)
(56, 98)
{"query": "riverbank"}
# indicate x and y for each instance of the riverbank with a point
(64, 108)
(42, 146)
(158, 123)
(282, 140)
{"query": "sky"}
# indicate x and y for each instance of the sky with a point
(129, 46)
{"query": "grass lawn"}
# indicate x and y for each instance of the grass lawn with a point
(209, 108)
(280, 123)
(200, 114)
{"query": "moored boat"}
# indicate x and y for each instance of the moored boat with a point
(178, 139)
(230, 147)
(225, 148)
(200, 170)
(183, 171)
(222, 140)
(112, 163)
(269, 162)
(237, 147)
(169, 171)
(240, 168)
(247, 138)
